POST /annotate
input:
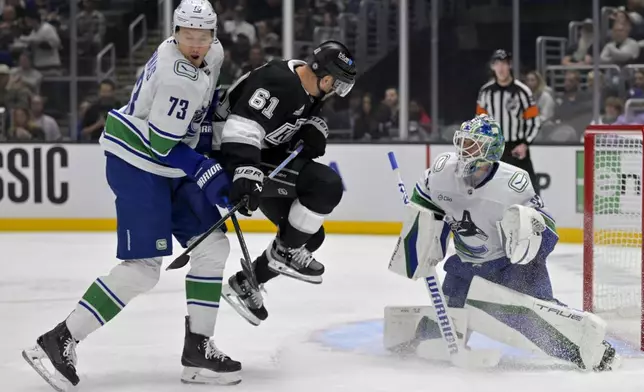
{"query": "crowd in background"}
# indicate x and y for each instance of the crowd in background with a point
(34, 36)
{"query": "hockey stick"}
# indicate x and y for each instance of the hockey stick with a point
(247, 266)
(458, 354)
(184, 257)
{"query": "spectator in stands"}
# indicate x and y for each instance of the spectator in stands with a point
(238, 25)
(613, 108)
(229, 70)
(4, 81)
(29, 75)
(328, 31)
(18, 6)
(633, 17)
(637, 90)
(606, 89)
(419, 123)
(574, 106)
(91, 29)
(22, 128)
(256, 59)
(43, 41)
(18, 94)
(9, 31)
(94, 119)
(45, 122)
(303, 26)
(581, 51)
(365, 124)
(387, 115)
(266, 38)
(622, 49)
(268, 10)
(542, 95)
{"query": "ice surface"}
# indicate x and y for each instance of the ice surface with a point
(312, 341)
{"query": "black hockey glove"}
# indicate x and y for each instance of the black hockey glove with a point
(313, 134)
(248, 182)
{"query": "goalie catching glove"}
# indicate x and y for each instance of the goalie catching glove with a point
(521, 232)
(421, 245)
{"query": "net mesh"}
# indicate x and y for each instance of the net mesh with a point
(617, 231)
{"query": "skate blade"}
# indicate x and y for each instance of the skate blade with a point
(285, 270)
(191, 375)
(34, 357)
(229, 296)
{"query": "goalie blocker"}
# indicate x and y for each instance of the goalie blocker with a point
(498, 312)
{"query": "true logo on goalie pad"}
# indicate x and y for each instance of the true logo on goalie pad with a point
(560, 312)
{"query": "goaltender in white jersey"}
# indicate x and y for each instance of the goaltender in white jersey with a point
(497, 283)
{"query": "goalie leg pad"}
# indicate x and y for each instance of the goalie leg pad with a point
(531, 279)
(535, 325)
(407, 327)
(410, 329)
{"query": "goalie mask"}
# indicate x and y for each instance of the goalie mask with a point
(479, 142)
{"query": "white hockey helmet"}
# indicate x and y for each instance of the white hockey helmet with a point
(195, 14)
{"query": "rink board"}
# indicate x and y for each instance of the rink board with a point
(48, 187)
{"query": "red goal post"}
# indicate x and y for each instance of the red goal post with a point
(613, 223)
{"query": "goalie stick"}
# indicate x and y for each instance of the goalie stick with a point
(459, 355)
(184, 257)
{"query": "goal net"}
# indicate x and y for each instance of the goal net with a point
(613, 161)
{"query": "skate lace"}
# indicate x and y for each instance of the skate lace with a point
(69, 352)
(212, 352)
(301, 256)
(255, 296)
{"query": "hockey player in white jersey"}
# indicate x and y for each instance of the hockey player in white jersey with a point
(163, 187)
(497, 283)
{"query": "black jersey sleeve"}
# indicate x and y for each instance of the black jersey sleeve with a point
(268, 99)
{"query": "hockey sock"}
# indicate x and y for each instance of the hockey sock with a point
(202, 296)
(262, 273)
(108, 295)
(203, 283)
(300, 225)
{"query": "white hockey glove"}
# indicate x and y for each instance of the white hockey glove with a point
(419, 248)
(520, 232)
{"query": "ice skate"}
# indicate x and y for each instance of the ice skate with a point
(297, 263)
(59, 348)
(244, 299)
(610, 361)
(204, 363)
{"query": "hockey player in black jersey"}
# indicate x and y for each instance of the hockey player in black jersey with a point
(266, 112)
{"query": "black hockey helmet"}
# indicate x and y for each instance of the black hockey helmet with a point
(333, 58)
(500, 55)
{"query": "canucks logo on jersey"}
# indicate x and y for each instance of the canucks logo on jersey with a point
(465, 229)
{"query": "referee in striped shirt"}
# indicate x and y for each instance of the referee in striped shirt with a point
(511, 103)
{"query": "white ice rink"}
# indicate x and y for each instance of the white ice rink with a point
(296, 349)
